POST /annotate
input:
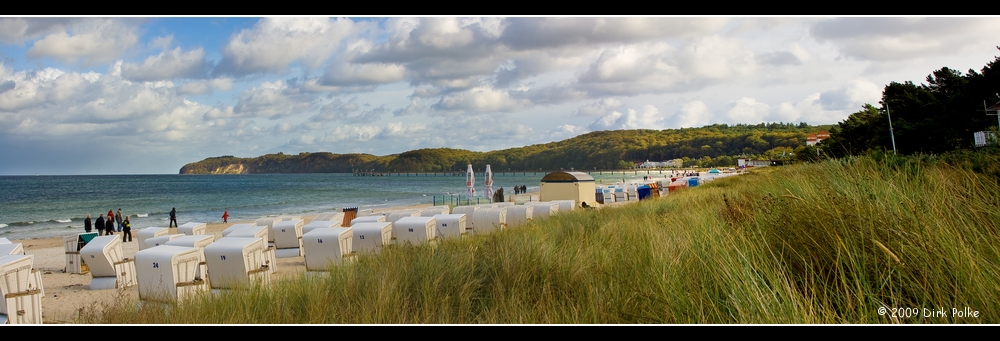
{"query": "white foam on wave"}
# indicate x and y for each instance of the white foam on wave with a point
(3, 225)
(63, 220)
(142, 215)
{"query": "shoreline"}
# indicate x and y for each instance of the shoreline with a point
(67, 295)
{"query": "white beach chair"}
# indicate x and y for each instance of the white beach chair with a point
(371, 237)
(234, 227)
(435, 210)
(469, 212)
(260, 232)
(325, 246)
(488, 220)
(20, 291)
(316, 224)
(414, 230)
(192, 229)
(198, 242)
(518, 215)
(236, 261)
(160, 240)
(449, 225)
(368, 219)
(72, 245)
(168, 273)
(330, 216)
(149, 232)
(107, 263)
(287, 238)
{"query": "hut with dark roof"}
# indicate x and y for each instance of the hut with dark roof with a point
(578, 186)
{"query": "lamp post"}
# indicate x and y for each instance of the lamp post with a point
(891, 134)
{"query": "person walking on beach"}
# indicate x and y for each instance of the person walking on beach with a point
(87, 225)
(225, 216)
(109, 227)
(173, 218)
(100, 225)
(126, 230)
(111, 215)
(118, 219)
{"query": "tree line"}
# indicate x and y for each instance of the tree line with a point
(938, 116)
(716, 145)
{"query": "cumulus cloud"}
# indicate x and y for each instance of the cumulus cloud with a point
(535, 33)
(747, 110)
(168, 65)
(272, 100)
(692, 114)
(647, 118)
(338, 111)
(274, 43)
(480, 99)
(364, 74)
(852, 95)
(204, 87)
(893, 39)
(659, 67)
(600, 108)
(92, 42)
(18, 30)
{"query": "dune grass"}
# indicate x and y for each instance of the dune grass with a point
(829, 242)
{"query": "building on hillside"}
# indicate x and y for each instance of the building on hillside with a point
(983, 138)
(748, 163)
(813, 139)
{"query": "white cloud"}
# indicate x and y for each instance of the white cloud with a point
(599, 108)
(274, 43)
(168, 65)
(852, 95)
(271, 100)
(18, 30)
(204, 87)
(658, 67)
(692, 114)
(647, 118)
(480, 99)
(894, 39)
(92, 42)
(364, 74)
(747, 110)
(535, 33)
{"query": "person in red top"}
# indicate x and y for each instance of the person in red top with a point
(111, 215)
(225, 216)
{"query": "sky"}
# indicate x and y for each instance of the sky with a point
(147, 95)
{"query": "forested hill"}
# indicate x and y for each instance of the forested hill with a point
(714, 145)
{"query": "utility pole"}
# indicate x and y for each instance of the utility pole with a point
(891, 134)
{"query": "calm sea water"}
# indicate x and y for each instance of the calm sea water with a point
(55, 206)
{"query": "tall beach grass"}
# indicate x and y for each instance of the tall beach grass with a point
(828, 242)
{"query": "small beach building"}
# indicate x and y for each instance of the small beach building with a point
(561, 185)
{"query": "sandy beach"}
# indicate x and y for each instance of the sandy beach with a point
(67, 295)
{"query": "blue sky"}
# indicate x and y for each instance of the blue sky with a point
(126, 95)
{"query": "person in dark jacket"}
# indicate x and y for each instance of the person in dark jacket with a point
(173, 218)
(99, 224)
(118, 219)
(109, 227)
(126, 230)
(87, 224)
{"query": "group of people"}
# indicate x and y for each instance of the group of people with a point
(108, 226)
(520, 189)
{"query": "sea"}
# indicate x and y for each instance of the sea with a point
(55, 206)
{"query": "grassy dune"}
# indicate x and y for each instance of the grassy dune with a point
(829, 242)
